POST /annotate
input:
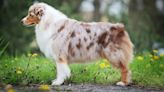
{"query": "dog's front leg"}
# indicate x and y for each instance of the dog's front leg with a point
(63, 72)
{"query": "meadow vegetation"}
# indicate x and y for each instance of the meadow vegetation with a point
(147, 70)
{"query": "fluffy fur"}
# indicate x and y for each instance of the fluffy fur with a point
(69, 41)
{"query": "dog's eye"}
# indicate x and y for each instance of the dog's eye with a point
(31, 15)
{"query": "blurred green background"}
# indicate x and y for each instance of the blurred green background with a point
(144, 20)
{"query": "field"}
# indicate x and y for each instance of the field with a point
(147, 70)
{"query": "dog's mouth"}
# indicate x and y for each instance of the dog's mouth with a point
(29, 25)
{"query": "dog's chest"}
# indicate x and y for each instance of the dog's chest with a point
(44, 42)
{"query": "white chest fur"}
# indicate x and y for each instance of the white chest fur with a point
(44, 41)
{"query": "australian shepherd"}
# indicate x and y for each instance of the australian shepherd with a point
(66, 41)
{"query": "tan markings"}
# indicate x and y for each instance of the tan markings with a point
(63, 60)
(124, 74)
(32, 20)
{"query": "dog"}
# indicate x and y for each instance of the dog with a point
(67, 41)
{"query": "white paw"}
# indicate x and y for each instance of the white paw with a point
(121, 83)
(57, 82)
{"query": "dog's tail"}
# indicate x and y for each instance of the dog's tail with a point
(121, 37)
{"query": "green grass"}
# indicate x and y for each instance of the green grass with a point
(147, 70)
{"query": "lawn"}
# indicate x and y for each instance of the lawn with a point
(147, 70)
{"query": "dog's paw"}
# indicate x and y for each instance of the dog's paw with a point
(121, 83)
(57, 82)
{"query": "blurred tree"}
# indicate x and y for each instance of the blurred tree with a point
(145, 21)
(10, 27)
(97, 14)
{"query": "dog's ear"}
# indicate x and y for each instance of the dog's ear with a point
(39, 11)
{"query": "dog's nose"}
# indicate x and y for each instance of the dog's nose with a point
(22, 21)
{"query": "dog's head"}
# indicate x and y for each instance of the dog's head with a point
(35, 13)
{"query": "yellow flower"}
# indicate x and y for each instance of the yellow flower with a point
(161, 65)
(162, 55)
(34, 55)
(10, 90)
(155, 51)
(19, 72)
(155, 57)
(44, 87)
(102, 65)
(140, 58)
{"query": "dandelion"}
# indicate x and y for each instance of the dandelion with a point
(140, 58)
(155, 51)
(155, 57)
(19, 72)
(9, 88)
(44, 87)
(102, 65)
(34, 55)
(161, 65)
(161, 55)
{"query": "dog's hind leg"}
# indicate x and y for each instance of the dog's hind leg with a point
(63, 71)
(117, 59)
(125, 75)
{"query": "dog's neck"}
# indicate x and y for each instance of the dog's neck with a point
(51, 16)
(46, 28)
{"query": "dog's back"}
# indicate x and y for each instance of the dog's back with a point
(89, 41)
